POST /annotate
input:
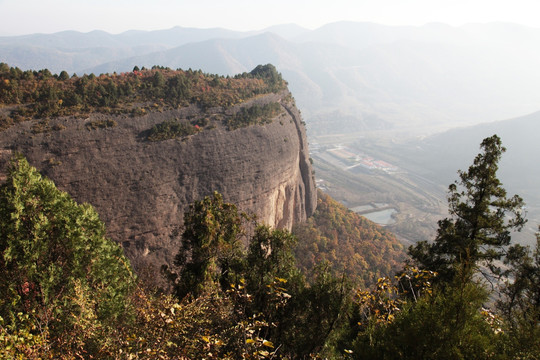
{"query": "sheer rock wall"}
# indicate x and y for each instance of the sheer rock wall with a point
(142, 188)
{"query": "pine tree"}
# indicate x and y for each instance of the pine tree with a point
(211, 251)
(56, 264)
(482, 218)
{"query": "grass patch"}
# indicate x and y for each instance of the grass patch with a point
(100, 124)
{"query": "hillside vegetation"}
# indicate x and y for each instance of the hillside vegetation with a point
(40, 94)
(352, 244)
(67, 292)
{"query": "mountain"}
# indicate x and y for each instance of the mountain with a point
(351, 243)
(444, 153)
(142, 158)
(74, 51)
(347, 77)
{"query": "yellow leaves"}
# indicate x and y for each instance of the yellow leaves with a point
(268, 344)
(264, 353)
(380, 304)
(210, 341)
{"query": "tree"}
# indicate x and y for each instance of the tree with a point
(211, 250)
(520, 301)
(445, 325)
(56, 265)
(63, 76)
(270, 75)
(270, 256)
(482, 217)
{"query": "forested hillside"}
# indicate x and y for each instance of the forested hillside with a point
(352, 244)
(40, 94)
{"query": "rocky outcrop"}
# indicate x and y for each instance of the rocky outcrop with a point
(141, 188)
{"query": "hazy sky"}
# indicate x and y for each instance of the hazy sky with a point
(115, 16)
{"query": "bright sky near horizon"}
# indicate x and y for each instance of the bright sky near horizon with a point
(115, 16)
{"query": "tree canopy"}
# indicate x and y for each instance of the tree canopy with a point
(39, 94)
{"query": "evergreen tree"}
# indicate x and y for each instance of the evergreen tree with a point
(56, 264)
(63, 76)
(520, 301)
(211, 250)
(482, 217)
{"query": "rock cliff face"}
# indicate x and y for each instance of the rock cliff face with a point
(142, 188)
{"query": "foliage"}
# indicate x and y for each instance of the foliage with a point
(384, 302)
(520, 302)
(300, 317)
(269, 74)
(482, 218)
(350, 243)
(319, 314)
(446, 325)
(408, 318)
(254, 115)
(171, 129)
(211, 252)
(61, 276)
(270, 256)
(39, 94)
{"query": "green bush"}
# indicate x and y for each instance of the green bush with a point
(171, 129)
(100, 124)
(254, 115)
(57, 266)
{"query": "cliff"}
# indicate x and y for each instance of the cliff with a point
(141, 188)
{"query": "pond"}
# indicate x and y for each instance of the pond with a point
(383, 217)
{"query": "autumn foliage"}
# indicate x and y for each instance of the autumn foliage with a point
(351, 243)
(40, 94)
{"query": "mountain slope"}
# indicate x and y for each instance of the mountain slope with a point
(352, 244)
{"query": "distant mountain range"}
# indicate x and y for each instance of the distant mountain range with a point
(345, 76)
